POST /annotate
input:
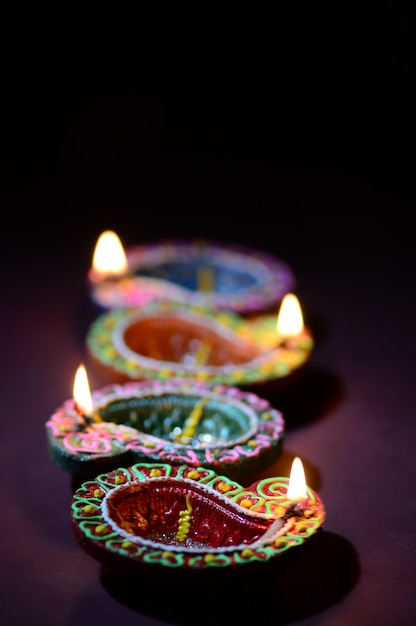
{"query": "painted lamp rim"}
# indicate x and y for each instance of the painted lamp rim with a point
(265, 523)
(239, 434)
(107, 347)
(270, 277)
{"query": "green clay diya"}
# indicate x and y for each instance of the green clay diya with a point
(176, 421)
(190, 518)
(165, 339)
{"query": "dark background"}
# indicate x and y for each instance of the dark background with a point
(300, 144)
(220, 126)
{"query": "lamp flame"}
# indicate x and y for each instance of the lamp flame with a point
(82, 394)
(290, 318)
(109, 258)
(297, 489)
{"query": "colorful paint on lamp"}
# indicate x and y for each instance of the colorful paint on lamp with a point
(215, 275)
(176, 421)
(165, 339)
(190, 518)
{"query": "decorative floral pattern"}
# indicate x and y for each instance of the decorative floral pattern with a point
(264, 525)
(246, 280)
(239, 432)
(106, 344)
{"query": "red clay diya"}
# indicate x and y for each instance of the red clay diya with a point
(165, 339)
(198, 273)
(177, 421)
(190, 518)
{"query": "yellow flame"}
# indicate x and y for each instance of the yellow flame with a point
(82, 394)
(290, 318)
(297, 489)
(109, 257)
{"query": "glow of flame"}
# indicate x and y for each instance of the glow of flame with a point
(109, 258)
(290, 318)
(297, 489)
(82, 394)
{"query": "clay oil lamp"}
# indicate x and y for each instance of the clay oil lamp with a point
(161, 340)
(219, 276)
(191, 518)
(175, 421)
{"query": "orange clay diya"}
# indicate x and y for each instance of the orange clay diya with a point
(165, 339)
(190, 518)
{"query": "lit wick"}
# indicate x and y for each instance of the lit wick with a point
(109, 259)
(290, 319)
(297, 492)
(82, 396)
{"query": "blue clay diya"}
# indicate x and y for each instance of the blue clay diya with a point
(221, 276)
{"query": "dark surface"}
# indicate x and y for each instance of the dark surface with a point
(318, 175)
